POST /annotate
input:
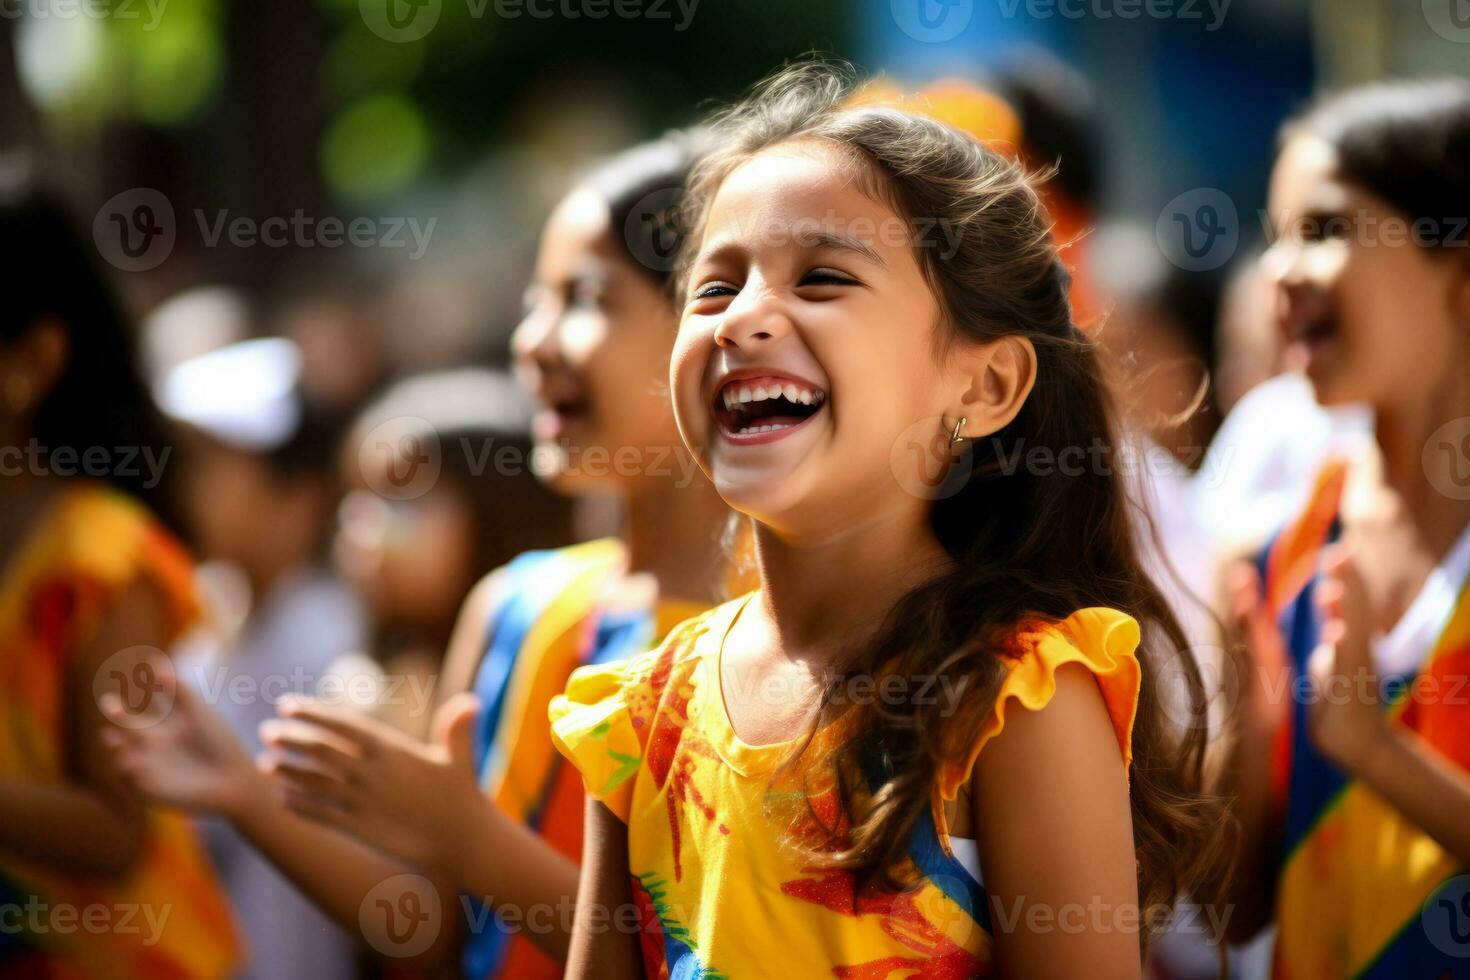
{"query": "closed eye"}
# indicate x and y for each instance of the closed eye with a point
(713, 289)
(827, 277)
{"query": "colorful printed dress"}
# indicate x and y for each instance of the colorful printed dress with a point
(167, 917)
(1361, 892)
(711, 819)
(552, 620)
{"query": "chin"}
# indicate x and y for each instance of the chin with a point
(773, 502)
(554, 465)
(1332, 386)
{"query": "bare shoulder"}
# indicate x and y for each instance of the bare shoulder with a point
(1075, 721)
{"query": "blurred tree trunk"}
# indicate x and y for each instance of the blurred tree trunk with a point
(262, 134)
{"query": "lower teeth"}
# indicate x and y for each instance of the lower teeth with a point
(752, 430)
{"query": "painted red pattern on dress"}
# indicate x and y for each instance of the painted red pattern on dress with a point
(684, 794)
(650, 931)
(675, 841)
(670, 717)
(940, 957)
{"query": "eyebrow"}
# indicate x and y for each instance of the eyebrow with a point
(846, 243)
(811, 239)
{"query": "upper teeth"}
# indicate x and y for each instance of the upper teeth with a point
(739, 394)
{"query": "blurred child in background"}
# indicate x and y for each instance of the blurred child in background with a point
(488, 808)
(415, 541)
(258, 489)
(1355, 796)
(92, 590)
(597, 333)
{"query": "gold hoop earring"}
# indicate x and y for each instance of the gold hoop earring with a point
(954, 437)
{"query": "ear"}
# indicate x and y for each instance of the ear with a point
(997, 379)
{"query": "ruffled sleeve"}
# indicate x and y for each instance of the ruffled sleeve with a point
(108, 539)
(593, 727)
(1103, 640)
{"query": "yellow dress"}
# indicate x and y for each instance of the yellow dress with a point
(554, 618)
(167, 917)
(719, 889)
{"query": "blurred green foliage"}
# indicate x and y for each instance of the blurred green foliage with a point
(391, 111)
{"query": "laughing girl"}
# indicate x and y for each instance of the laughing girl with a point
(933, 741)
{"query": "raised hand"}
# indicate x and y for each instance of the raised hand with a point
(1345, 716)
(178, 751)
(1265, 680)
(347, 770)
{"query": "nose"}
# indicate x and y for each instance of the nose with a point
(1298, 297)
(1282, 262)
(534, 341)
(754, 318)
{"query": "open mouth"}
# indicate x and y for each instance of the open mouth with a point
(765, 408)
(1316, 331)
(557, 414)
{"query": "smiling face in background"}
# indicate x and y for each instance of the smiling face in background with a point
(593, 349)
(807, 346)
(1365, 311)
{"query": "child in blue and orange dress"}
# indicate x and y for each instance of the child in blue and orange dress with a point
(1352, 770)
(932, 742)
(485, 823)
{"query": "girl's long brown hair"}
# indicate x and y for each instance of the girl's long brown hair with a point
(1027, 546)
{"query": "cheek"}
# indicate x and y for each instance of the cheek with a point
(430, 574)
(1332, 266)
(582, 340)
(631, 387)
(1398, 305)
(686, 374)
(883, 386)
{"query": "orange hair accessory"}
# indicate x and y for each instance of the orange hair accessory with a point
(955, 102)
